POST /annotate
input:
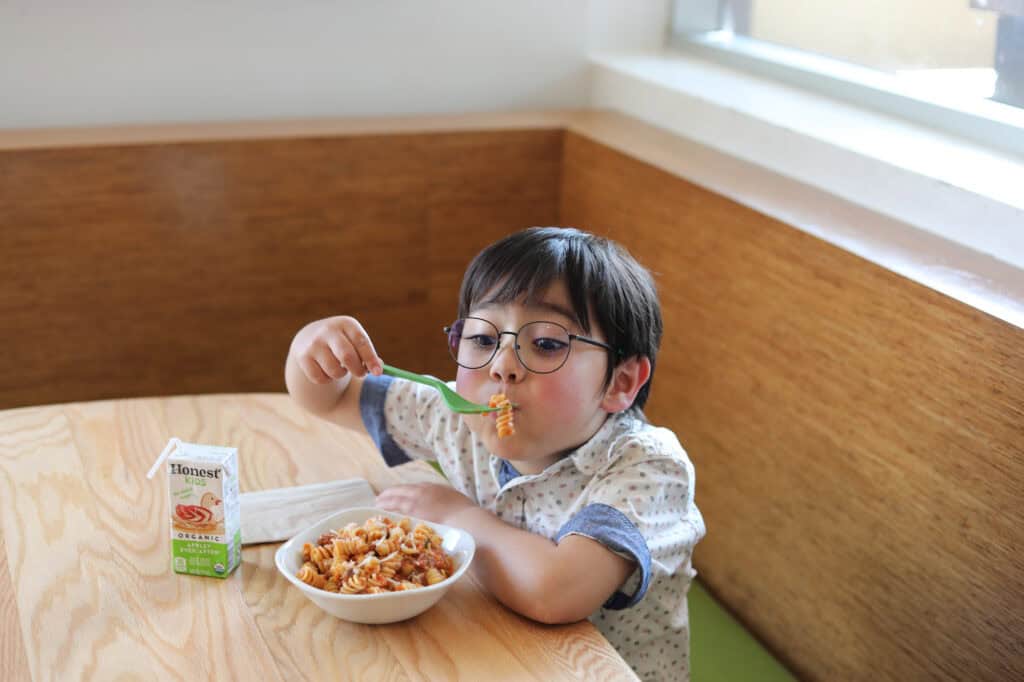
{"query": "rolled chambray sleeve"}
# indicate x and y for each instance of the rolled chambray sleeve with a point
(614, 530)
(372, 407)
(642, 509)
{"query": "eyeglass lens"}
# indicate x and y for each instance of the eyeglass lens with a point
(541, 346)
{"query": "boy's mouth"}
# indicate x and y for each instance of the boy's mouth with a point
(495, 413)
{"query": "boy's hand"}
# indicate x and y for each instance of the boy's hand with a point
(431, 501)
(330, 348)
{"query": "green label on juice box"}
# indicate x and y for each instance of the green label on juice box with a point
(198, 557)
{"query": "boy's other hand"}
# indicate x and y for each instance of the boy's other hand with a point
(330, 348)
(431, 501)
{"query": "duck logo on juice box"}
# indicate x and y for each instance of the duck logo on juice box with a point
(206, 535)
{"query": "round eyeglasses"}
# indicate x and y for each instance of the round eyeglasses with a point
(542, 347)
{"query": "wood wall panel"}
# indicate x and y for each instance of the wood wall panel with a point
(187, 267)
(858, 439)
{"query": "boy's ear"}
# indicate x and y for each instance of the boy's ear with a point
(627, 380)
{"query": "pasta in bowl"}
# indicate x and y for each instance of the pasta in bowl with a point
(369, 565)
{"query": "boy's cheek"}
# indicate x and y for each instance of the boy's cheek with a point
(468, 383)
(563, 400)
(475, 423)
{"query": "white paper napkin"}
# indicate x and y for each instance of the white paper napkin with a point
(280, 513)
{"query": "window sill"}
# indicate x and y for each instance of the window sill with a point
(899, 194)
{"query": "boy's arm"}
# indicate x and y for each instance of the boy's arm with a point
(548, 582)
(336, 401)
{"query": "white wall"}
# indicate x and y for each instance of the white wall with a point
(74, 62)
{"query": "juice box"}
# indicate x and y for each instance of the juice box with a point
(206, 534)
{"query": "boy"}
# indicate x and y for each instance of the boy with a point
(586, 511)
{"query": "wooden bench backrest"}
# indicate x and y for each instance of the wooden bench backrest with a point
(858, 438)
(158, 269)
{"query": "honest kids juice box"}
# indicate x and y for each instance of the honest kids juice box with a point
(206, 536)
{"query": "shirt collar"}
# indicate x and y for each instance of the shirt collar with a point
(506, 472)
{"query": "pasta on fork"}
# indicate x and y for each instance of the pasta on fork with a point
(503, 422)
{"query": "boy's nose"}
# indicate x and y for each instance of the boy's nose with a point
(505, 366)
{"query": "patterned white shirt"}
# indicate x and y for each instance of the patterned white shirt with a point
(630, 487)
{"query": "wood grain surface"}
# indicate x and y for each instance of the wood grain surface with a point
(858, 438)
(13, 662)
(179, 268)
(86, 590)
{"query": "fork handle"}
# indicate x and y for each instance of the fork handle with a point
(404, 374)
(462, 406)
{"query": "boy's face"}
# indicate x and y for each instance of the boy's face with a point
(555, 412)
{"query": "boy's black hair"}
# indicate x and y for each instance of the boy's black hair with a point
(602, 279)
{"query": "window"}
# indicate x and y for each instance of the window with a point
(957, 65)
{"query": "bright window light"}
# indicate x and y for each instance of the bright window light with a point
(953, 64)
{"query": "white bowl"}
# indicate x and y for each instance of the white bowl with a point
(387, 607)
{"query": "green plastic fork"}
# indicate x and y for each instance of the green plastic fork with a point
(454, 401)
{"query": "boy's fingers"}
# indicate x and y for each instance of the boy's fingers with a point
(344, 354)
(349, 358)
(329, 363)
(360, 340)
(312, 370)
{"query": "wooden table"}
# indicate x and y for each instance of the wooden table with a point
(86, 590)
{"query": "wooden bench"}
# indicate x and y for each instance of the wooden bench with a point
(858, 438)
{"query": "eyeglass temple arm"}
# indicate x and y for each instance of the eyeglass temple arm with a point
(595, 342)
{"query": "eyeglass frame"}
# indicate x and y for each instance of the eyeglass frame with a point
(515, 344)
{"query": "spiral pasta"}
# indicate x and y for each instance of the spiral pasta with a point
(378, 556)
(503, 423)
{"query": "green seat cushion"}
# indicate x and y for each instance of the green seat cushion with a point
(721, 650)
